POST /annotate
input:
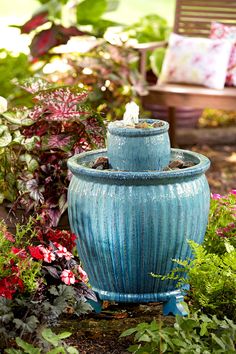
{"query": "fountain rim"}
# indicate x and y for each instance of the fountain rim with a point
(115, 129)
(78, 169)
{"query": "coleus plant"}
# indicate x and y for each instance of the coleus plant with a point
(35, 143)
(58, 20)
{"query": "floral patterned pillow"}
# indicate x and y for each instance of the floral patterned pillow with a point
(195, 60)
(220, 31)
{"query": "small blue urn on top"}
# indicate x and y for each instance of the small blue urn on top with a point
(138, 149)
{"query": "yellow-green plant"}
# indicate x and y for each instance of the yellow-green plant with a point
(212, 280)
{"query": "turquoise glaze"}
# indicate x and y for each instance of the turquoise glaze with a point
(132, 149)
(129, 224)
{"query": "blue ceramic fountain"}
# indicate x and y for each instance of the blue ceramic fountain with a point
(130, 223)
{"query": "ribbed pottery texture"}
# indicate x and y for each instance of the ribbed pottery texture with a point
(131, 149)
(131, 224)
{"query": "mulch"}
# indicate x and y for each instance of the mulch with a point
(222, 173)
(99, 333)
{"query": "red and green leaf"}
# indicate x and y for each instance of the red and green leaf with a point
(52, 37)
(62, 103)
(35, 21)
(59, 141)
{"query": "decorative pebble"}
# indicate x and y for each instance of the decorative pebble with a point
(101, 163)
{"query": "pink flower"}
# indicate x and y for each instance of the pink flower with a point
(48, 256)
(8, 236)
(233, 191)
(68, 277)
(83, 274)
(216, 196)
(62, 252)
(226, 231)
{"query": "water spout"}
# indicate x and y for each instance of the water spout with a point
(131, 114)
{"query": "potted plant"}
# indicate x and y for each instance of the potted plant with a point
(35, 143)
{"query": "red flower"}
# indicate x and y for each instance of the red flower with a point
(9, 285)
(20, 252)
(35, 252)
(62, 237)
(15, 269)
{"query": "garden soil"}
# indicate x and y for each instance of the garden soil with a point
(99, 333)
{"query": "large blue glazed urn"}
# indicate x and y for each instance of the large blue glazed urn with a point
(130, 224)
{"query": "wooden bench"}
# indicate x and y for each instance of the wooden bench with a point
(192, 18)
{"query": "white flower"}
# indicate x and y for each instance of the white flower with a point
(62, 252)
(3, 105)
(131, 114)
(67, 276)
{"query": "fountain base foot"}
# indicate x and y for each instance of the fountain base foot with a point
(96, 305)
(174, 306)
(172, 300)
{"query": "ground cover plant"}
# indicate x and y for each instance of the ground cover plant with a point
(40, 279)
(36, 142)
(49, 343)
(197, 333)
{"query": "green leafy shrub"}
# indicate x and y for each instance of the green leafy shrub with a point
(13, 67)
(190, 335)
(212, 280)
(150, 28)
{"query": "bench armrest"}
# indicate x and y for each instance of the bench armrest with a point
(143, 48)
